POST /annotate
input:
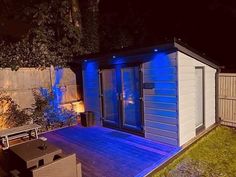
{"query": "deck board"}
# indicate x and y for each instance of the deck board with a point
(105, 152)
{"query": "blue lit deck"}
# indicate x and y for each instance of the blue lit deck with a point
(106, 152)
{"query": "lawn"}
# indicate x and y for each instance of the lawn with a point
(213, 155)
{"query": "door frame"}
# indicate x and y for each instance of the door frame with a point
(120, 108)
(102, 101)
(202, 127)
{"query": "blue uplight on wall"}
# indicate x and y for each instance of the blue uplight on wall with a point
(118, 61)
(162, 72)
(161, 60)
(91, 87)
(161, 69)
(89, 66)
(56, 89)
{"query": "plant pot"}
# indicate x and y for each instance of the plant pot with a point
(87, 119)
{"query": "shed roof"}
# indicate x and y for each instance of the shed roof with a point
(164, 47)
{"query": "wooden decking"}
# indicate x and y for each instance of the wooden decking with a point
(105, 152)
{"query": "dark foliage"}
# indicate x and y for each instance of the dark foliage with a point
(10, 113)
(51, 38)
(90, 24)
(121, 26)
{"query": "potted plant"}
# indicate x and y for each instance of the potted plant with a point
(87, 118)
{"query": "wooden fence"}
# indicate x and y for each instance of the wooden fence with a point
(227, 98)
(20, 84)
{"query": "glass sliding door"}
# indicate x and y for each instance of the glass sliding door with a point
(131, 98)
(110, 97)
(121, 98)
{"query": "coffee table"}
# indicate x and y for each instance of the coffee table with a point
(35, 151)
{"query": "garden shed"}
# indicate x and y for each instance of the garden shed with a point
(166, 93)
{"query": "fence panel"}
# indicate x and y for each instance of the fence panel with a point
(20, 84)
(227, 98)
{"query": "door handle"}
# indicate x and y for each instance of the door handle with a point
(121, 96)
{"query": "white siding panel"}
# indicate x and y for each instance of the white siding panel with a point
(162, 126)
(161, 92)
(165, 120)
(189, 110)
(162, 106)
(163, 139)
(160, 103)
(160, 98)
(187, 96)
(164, 64)
(169, 70)
(160, 132)
(161, 112)
(168, 77)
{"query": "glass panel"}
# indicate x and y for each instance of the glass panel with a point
(199, 98)
(110, 103)
(131, 98)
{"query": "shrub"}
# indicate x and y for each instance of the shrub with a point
(49, 114)
(10, 113)
(44, 112)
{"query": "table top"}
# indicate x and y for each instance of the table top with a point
(20, 129)
(32, 150)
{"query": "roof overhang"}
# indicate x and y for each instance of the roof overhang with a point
(143, 54)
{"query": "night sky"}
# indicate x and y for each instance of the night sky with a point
(209, 26)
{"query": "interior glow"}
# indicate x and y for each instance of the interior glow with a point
(77, 106)
(3, 108)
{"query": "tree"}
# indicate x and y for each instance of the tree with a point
(53, 38)
(122, 24)
(90, 22)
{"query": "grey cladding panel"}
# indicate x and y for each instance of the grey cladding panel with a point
(91, 89)
(160, 103)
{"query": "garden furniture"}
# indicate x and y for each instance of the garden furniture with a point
(18, 132)
(34, 153)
